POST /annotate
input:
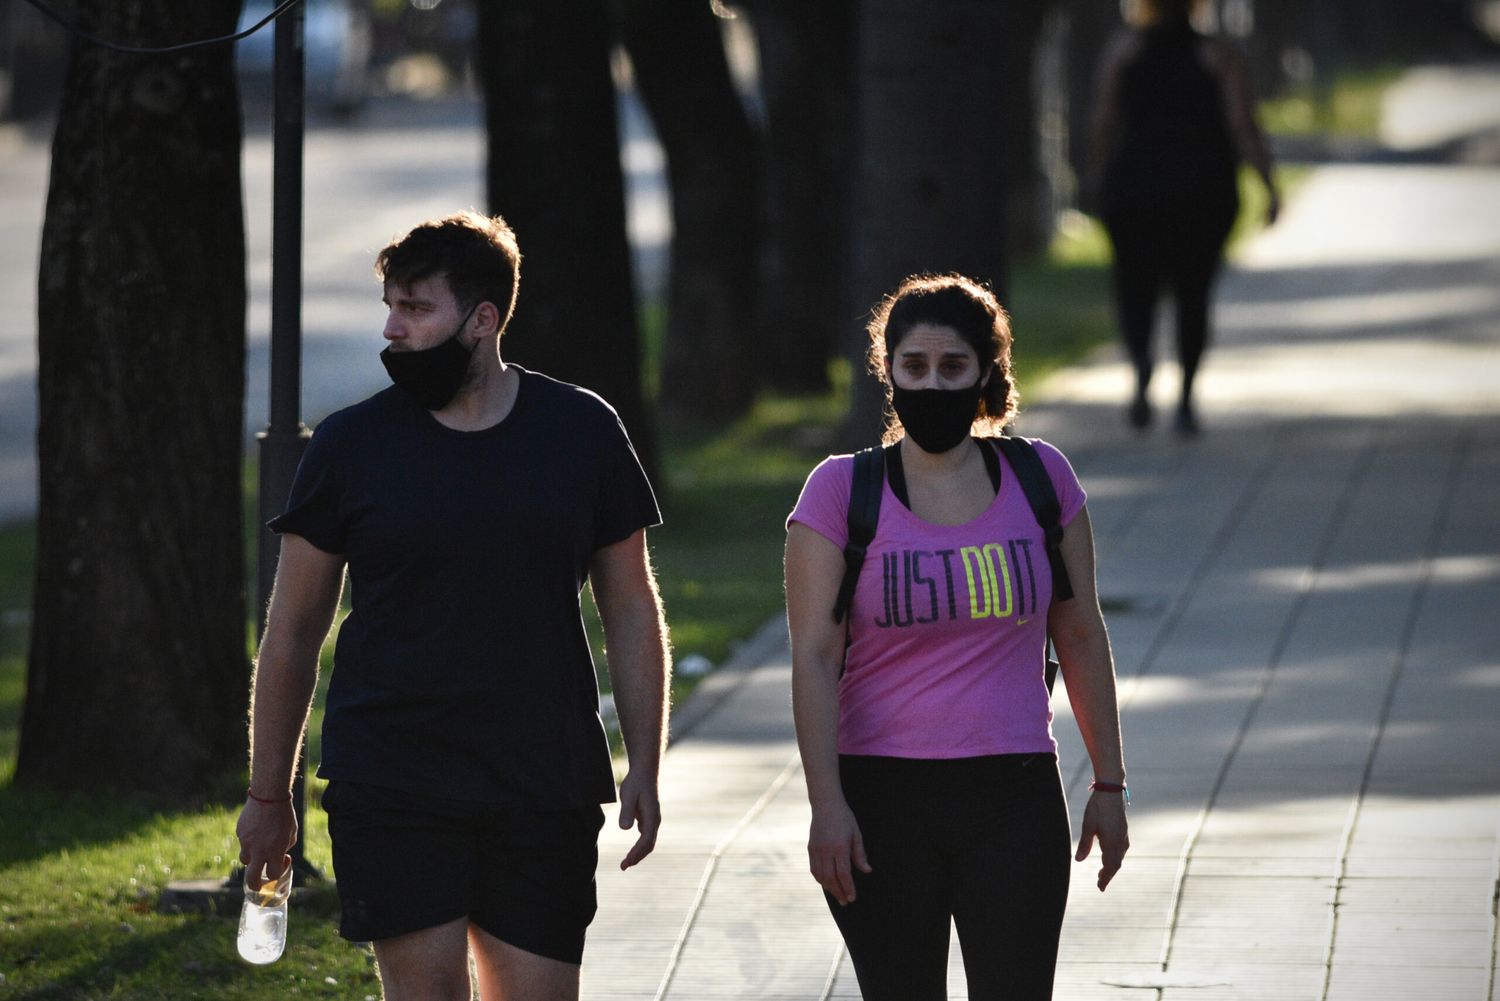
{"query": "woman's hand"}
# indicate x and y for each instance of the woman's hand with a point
(1104, 820)
(834, 849)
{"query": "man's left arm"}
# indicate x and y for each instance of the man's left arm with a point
(635, 638)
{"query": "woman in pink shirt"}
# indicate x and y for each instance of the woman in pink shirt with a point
(923, 718)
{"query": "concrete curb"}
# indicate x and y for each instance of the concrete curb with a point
(721, 684)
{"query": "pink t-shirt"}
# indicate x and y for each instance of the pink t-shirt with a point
(948, 629)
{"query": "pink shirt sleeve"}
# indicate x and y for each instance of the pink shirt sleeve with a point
(824, 504)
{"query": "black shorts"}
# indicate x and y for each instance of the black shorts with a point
(404, 862)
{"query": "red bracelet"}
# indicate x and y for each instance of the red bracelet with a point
(1097, 786)
(261, 799)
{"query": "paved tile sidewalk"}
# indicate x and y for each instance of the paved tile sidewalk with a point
(1305, 609)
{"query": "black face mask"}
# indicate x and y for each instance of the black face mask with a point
(432, 376)
(937, 419)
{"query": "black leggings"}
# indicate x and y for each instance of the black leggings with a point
(1152, 254)
(981, 841)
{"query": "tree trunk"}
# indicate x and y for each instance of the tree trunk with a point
(1280, 25)
(138, 671)
(1444, 30)
(677, 49)
(1090, 27)
(806, 65)
(1028, 219)
(554, 173)
(928, 152)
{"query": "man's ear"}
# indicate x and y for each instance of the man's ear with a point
(486, 318)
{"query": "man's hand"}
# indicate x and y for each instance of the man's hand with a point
(640, 808)
(267, 832)
(834, 849)
(1104, 819)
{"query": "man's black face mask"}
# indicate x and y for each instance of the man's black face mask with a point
(432, 376)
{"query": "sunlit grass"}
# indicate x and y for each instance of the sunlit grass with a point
(79, 915)
(1349, 108)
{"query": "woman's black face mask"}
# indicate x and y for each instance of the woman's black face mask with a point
(432, 376)
(937, 419)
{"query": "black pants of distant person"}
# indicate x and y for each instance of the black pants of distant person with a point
(983, 842)
(1155, 252)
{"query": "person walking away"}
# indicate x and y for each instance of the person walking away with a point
(923, 716)
(462, 744)
(1173, 119)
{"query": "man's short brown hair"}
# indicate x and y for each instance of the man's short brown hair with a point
(477, 254)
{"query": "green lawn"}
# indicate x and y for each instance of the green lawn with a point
(1349, 109)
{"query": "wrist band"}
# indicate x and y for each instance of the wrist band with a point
(1097, 786)
(262, 799)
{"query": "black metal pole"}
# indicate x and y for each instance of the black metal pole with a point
(282, 442)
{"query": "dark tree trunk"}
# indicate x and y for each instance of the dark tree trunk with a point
(1280, 25)
(806, 65)
(929, 144)
(677, 49)
(1427, 29)
(1090, 27)
(554, 173)
(138, 670)
(1027, 210)
(1367, 27)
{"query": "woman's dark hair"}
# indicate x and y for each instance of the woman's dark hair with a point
(974, 313)
(477, 254)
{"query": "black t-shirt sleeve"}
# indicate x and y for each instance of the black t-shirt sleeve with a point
(314, 509)
(627, 503)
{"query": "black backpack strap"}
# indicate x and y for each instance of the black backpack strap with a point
(864, 514)
(1042, 496)
(991, 465)
(895, 474)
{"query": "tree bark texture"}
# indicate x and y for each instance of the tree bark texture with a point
(713, 168)
(1279, 26)
(1091, 25)
(138, 670)
(929, 155)
(1028, 217)
(554, 173)
(807, 78)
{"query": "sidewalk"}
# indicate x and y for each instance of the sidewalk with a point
(1305, 610)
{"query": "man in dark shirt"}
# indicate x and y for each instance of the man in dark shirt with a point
(462, 741)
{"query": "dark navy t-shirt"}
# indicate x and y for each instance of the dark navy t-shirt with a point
(463, 669)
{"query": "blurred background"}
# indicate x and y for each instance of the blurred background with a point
(754, 134)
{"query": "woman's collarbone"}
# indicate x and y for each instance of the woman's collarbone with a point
(956, 501)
